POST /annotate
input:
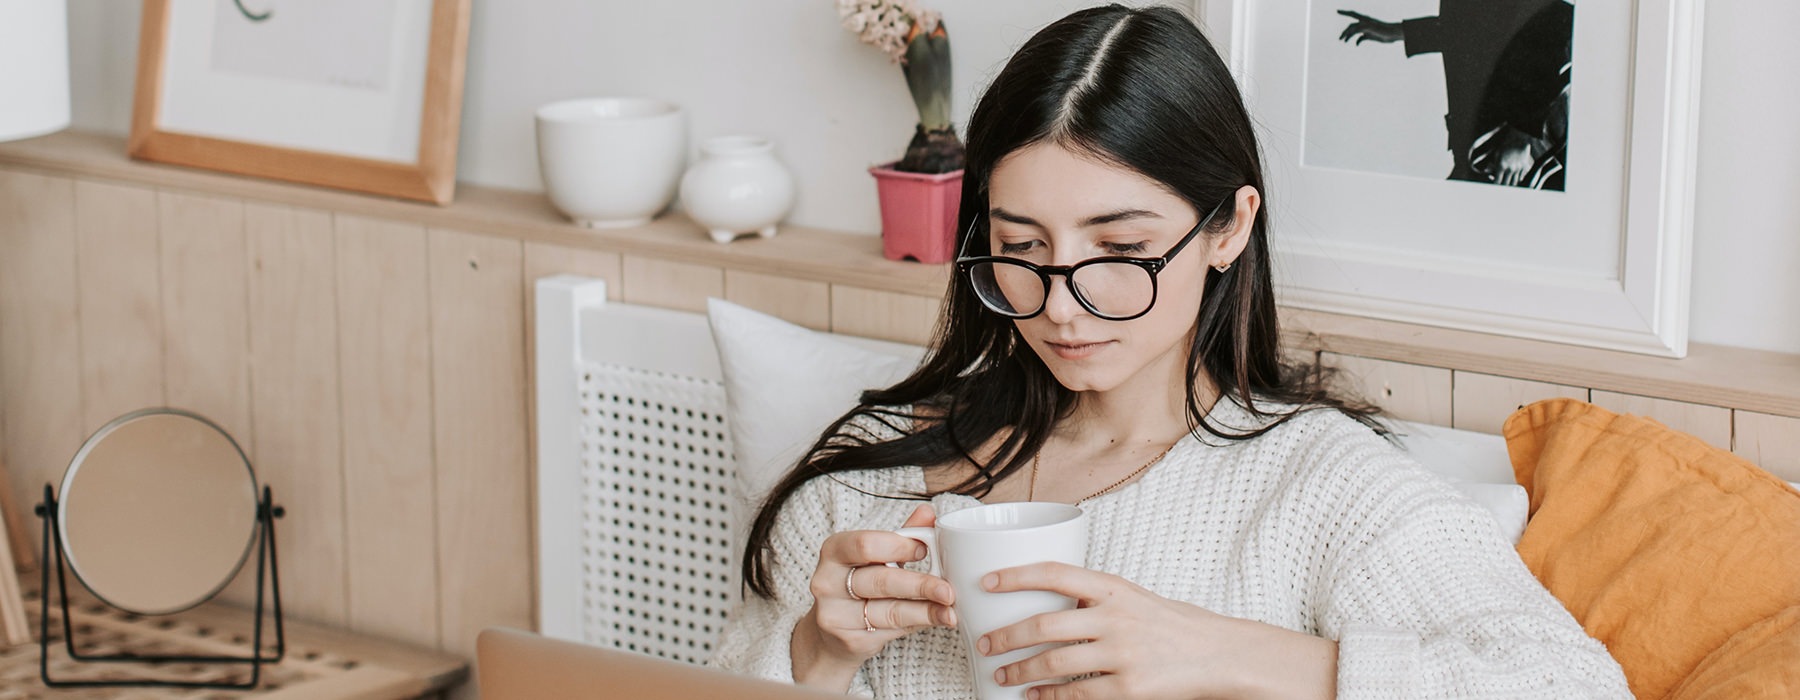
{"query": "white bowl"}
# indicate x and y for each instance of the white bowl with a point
(611, 161)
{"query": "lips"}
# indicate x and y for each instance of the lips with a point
(1076, 349)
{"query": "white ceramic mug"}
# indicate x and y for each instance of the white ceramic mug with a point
(969, 544)
(611, 161)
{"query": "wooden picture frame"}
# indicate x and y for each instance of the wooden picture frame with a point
(1603, 264)
(426, 173)
(15, 555)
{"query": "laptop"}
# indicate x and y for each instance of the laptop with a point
(516, 665)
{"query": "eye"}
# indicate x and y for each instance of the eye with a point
(1018, 248)
(1137, 248)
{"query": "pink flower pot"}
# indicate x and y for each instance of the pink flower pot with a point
(918, 214)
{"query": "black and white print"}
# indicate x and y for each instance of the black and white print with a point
(1468, 90)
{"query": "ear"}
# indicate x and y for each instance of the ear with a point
(1225, 247)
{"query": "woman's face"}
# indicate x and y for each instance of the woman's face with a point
(1052, 206)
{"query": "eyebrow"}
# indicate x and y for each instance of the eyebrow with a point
(1096, 220)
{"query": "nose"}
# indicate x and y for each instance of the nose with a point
(1060, 305)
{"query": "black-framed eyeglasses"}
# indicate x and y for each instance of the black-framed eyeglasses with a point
(1114, 287)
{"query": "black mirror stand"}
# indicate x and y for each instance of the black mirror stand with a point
(266, 514)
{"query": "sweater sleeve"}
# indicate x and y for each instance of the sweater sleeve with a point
(1422, 35)
(758, 634)
(1429, 600)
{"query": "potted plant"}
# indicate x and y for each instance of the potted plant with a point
(920, 192)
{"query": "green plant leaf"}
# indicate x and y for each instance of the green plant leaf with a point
(927, 70)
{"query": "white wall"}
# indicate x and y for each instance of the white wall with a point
(785, 69)
(780, 68)
(1747, 220)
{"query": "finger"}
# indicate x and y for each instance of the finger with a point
(1345, 36)
(922, 516)
(1061, 626)
(1354, 15)
(1081, 584)
(888, 614)
(865, 547)
(891, 582)
(1058, 663)
(1108, 686)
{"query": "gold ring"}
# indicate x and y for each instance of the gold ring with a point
(850, 588)
(867, 626)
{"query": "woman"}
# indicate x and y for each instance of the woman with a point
(1110, 340)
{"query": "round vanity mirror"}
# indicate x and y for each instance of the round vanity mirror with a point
(158, 511)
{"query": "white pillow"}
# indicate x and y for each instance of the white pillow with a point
(784, 384)
(1476, 464)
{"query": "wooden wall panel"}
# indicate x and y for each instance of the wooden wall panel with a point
(120, 299)
(295, 403)
(205, 297)
(1408, 392)
(1709, 423)
(40, 334)
(202, 265)
(1482, 402)
(901, 318)
(479, 378)
(669, 284)
(1772, 442)
(390, 477)
(546, 259)
(802, 302)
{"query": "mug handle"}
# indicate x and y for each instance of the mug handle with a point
(928, 536)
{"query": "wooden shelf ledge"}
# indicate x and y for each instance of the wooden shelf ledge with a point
(1738, 378)
(1716, 375)
(801, 252)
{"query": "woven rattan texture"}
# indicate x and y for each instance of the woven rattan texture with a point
(656, 468)
(103, 630)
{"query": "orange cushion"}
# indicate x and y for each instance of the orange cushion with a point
(1663, 546)
(1760, 662)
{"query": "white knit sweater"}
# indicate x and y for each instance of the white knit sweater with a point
(1318, 526)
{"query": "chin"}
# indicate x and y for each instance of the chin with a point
(1078, 378)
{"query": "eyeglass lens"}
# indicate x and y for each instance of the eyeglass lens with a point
(1107, 289)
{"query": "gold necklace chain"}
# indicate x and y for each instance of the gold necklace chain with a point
(1031, 494)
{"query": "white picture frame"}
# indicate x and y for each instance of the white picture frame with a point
(1604, 264)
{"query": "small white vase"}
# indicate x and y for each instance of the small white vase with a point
(737, 187)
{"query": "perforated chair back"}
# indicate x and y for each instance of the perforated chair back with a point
(634, 475)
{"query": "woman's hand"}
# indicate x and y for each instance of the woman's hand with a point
(860, 604)
(1367, 28)
(1146, 646)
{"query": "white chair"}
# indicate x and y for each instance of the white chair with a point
(634, 469)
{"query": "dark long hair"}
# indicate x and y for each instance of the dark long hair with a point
(1139, 88)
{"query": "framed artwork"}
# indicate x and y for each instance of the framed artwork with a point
(1519, 167)
(361, 95)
